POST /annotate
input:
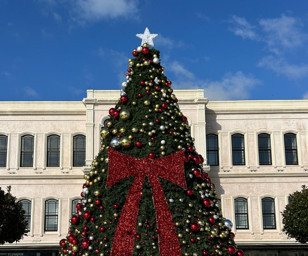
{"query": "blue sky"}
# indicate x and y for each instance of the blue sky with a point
(234, 49)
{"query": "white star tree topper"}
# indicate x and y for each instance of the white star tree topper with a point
(147, 37)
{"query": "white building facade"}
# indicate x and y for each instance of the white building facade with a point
(256, 155)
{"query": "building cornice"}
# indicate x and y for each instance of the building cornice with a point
(257, 106)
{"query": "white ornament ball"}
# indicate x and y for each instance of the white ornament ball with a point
(124, 84)
(228, 224)
(162, 127)
(139, 49)
(114, 142)
(156, 60)
(171, 200)
(163, 142)
(91, 237)
(215, 217)
(122, 93)
(151, 123)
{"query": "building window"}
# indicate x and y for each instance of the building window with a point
(268, 212)
(241, 213)
(74, 203)
(3, 150)
(53, 151)
(290, 146)
(26, 156)
(238, 149)
(264, 143)
(51, 215)
(79, 154)
(26, 206)
(212, 149)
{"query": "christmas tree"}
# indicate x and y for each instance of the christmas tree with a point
(147, 193)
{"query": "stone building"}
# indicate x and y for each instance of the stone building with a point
(256, 154)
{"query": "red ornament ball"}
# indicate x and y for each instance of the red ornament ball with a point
(111, 111)
(135, 53)
(79, 206)
(70, 239)
(207, 202)
(85, 244)
(62, 242)
(124, 99)
(74, 219)
(101, 207)
(164, 105)
(212, 220)
(115, 206)
(102, 229)
(116, 114)
(231, 249)
(142, 83)
(189, 192)
(194, 227)
(139, 95)
(145, 50)
(86, 215)
(151, 155)
(138, 144)
(240, 253)
(205, 253)
(193, 240)
(98, 202)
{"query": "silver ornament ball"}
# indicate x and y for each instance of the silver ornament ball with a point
(114, 142)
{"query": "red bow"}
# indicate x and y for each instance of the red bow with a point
(170, 168)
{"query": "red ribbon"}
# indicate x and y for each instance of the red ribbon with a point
(171, 168)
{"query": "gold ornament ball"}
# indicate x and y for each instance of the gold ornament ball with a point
(147, 102)
(138, 246)
(130, 137)
(134, 103)
(180, 235)
(122, 130)
(75, 248)
(134, 129)
(125, 142)
(114, 131)
(108, 124)
(104, 132)
(124, 115)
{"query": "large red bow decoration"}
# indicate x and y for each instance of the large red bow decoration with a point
(170, 168)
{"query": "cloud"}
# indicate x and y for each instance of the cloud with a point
(57, 17)
(305, 95)
(30, 92)
(283, 32)
(93, 10)
(242, 28)
(180, 71)
(280, 66)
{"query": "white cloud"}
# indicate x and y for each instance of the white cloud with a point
(242, 28)
(180, 71)
(280, 66)
(30, 92)
(305, 95)
(284, 31)
(57, 17)
(92, 10)
(233, 86)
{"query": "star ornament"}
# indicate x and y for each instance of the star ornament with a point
(147, 37)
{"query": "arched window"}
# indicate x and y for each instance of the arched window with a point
(3, 150)
(51, 215)
(27, 148)
(264, 145)
(238, 149)
(212, 149)
(290, 146)
(53, 151)
(268, 212)
(241, 213)
(26, 206)
(74, 203)
(79, 150)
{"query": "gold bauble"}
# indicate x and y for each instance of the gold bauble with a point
(124, 114)
(130, 136)
(107, 160)
(75, 248)
(108, 124)
(103, 170)
(163, 153)
(125, 142)
(134, 103)
(134, 129)
(122, 130)
(139, 224)
(114, 131)
(89, 200)
(141, 130)
(147, 102)
(104, 132)
(180, 235)
(146, 63)
(138, 246)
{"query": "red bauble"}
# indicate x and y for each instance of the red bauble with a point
(84, 233)
(212, 220)
(79, 206)
(194, 227)
(98, 202)
(64, 250)
(138, 236)
(145, 50)
(164, 105)
(240, 253)
(151, 155)
(138, 144)
(92, 219)
(85, 228)
(101, 207)
(85, 244)
(82, 194)
(171, 132)
(186, 159)
(70, 239)
(74, 219)
(157, 121)
(102, 229)
(201, 160)
(207, 202)
(193, 240)
(139, 95)
(232, 235)
(190, 148)
(124, 99)
(205, 253)
(148, 91)
(97, 251)
(142, 83)
(86, 215)
(184, 119)
(197, 173)
(135, 53)
(196, 159)
(208, 180)
(75, 241)
(115, 206)
(231, 249)
(62, 242)
(152, 139)
(160, 110)
(157, 88)
(116, 114)
(111, 111)
(189, 192)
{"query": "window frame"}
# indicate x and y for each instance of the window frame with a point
(238, 215)
(213, 151)
(27, 213)
(25, 152)
(267, 150)
(3, 153)
(77, 200)
(291, 150)
(238, 150)
(270, 214)
(51, 150)
(77, 150)
(53, 214)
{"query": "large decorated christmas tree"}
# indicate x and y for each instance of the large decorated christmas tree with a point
(147, 193)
